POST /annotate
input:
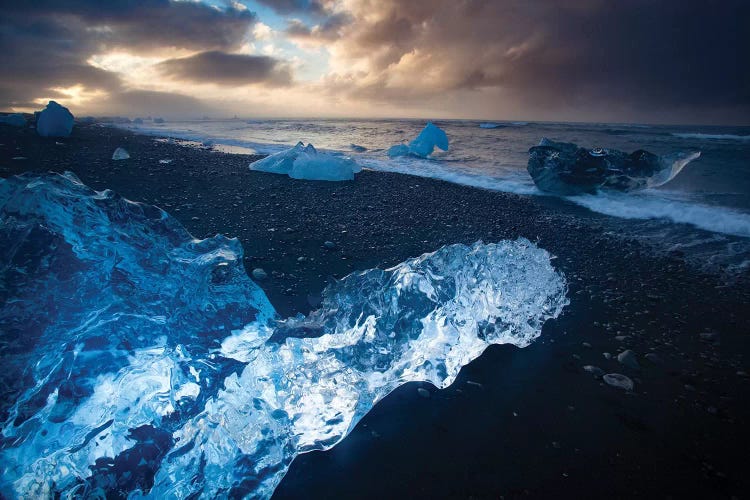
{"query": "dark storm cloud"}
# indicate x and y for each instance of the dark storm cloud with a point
(651, 55)
(144, 23)
(148, 103)
(222, 68)
(46, 43)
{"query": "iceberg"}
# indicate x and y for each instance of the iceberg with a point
(120, 154)
(14, 120)
(567, 169)
(165, 371)
(305, 162)
(424, 144)
(54, 121)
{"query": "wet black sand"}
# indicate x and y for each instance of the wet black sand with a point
(528, 423)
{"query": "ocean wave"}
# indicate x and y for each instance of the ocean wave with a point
(652, 206)
(436, 169)
(711, 137)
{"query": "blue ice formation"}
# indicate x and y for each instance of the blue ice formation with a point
(490, 125)
(14, 120)
(305, 162)
(424, 144)
(54, 121)
(565, 168)
(139, 361)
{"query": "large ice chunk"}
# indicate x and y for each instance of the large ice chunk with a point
(424, 144)
(305, 162)
(14, 120)
(138, 360)
(54, 121)
(567, 169)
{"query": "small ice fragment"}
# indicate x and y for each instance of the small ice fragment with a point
(489, 125)
(166, 161)
(120, 154)
(259, 274)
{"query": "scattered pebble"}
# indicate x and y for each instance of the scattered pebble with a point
(619, 380)
(120, 154)
(329, 245)
(710, 336)
(629, 359)
(259, 274)
(654, 358)
(594, 370)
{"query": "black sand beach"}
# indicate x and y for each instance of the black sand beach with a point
(526, 423)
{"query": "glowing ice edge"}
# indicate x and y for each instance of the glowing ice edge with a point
(421, 320)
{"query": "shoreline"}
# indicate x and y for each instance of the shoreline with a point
(518, 422)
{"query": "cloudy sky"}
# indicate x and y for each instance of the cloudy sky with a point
(663, 61)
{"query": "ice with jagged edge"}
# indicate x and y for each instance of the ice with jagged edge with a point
(565, 168)
(305, 162)
(424, 144)
(142, 360)
(54, 121)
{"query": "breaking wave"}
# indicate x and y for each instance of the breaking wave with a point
(714, 137)
(652, 206)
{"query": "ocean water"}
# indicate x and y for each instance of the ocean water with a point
(704, 213)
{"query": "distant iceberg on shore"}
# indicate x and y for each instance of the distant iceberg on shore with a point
(425, 143)
(14, 120)
(305, 162)
(55, 121)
